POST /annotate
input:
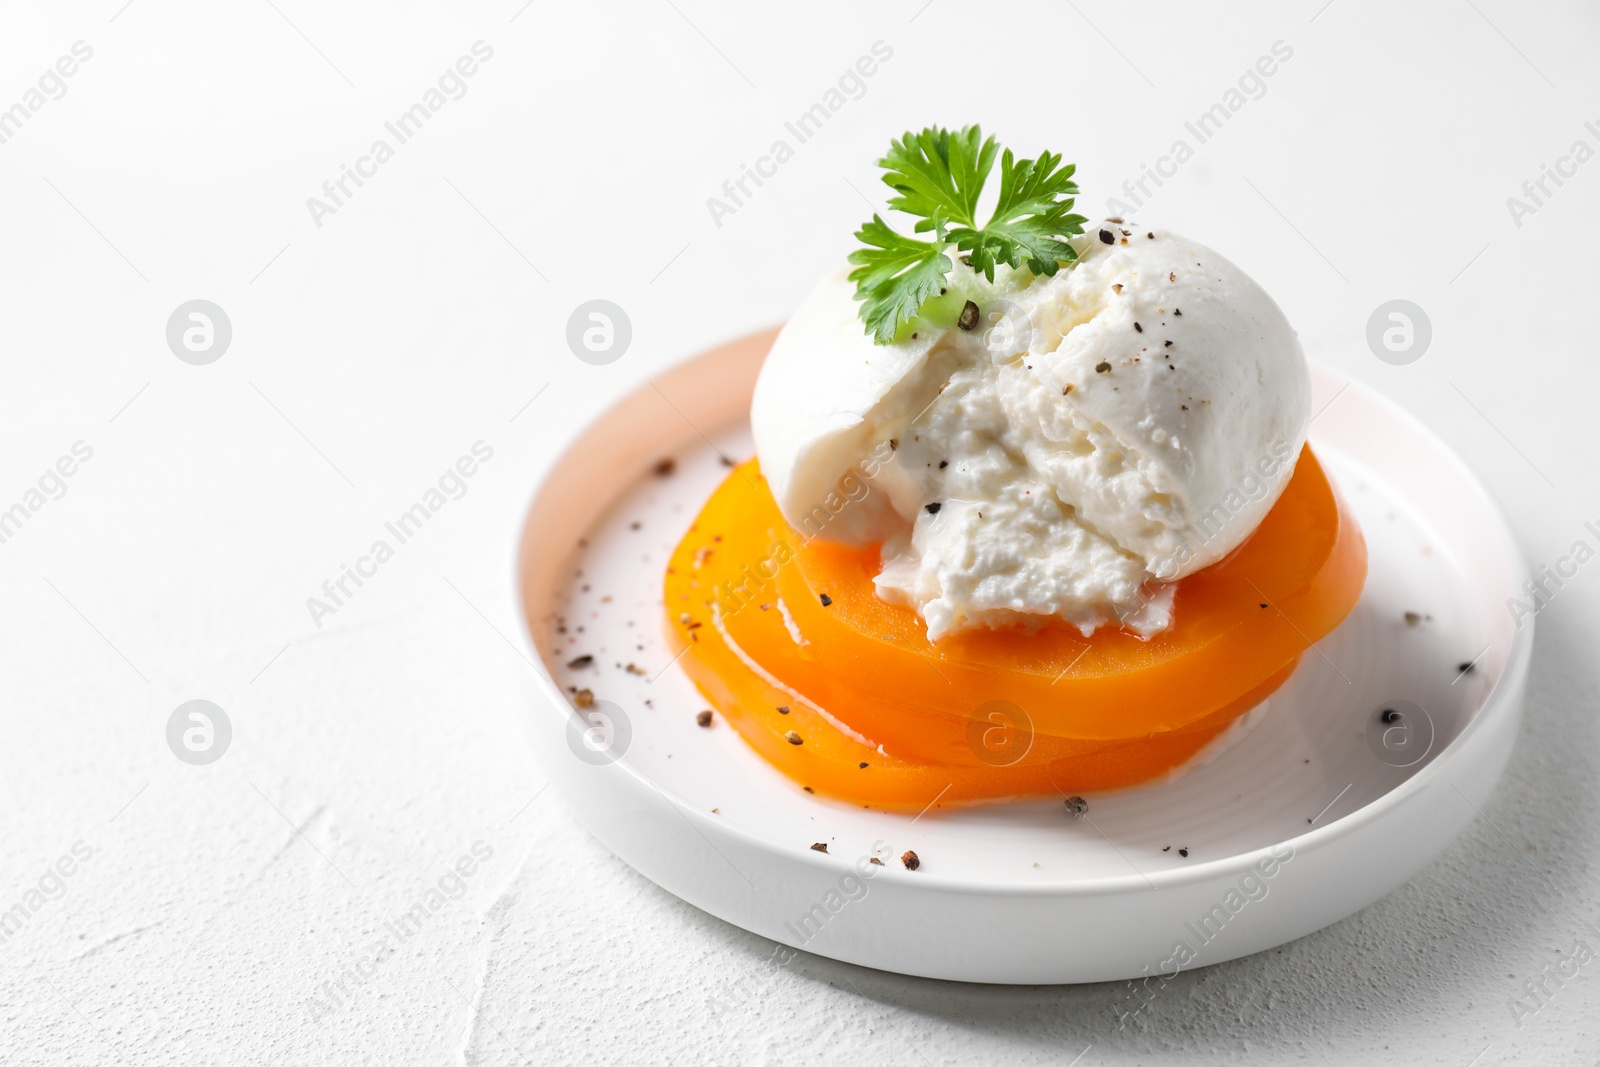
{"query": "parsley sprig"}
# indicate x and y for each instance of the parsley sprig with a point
(938, 177)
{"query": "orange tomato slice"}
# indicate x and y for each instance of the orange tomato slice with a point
(989, 714)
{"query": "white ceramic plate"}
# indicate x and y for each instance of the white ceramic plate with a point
(1315, 810)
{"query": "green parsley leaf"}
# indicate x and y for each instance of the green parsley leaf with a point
(937, 172)
(894, 277)
(1034, 210)
(938, 177)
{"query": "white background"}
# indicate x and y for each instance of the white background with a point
(370, 352)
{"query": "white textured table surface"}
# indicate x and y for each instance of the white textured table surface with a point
(213, 912)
